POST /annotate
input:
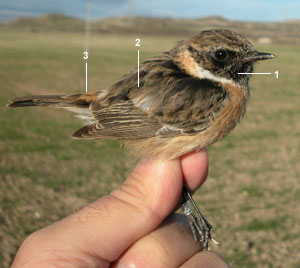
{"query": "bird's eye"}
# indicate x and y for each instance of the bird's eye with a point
(221, 55)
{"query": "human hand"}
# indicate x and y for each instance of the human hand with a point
(127, 228)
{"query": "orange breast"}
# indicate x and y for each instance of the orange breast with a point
(232, 112)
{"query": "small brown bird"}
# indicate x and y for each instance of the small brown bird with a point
(187, 99)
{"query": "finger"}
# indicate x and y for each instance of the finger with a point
(103, 230)
(205, 259)
(193, 173)
(168, 246)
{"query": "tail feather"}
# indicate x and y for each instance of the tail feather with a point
(57, 101)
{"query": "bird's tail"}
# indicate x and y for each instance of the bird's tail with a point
(57, 101)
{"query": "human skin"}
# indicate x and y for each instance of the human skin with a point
(130, 227)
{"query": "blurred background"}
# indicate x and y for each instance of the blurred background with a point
(252, 194)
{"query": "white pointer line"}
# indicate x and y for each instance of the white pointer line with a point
(86, 80)
(254, 73)
(138, 68)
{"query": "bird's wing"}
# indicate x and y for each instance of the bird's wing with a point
(121, 120)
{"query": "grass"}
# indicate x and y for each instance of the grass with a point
(268, 224)
(252, 194)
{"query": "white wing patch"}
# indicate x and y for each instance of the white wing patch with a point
(144, 103)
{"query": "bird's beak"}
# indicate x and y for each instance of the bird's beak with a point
(259, 56)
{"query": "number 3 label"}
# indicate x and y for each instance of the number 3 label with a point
(85, 55)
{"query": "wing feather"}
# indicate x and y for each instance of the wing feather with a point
(121, 120)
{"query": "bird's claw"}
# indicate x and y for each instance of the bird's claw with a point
(200, 227)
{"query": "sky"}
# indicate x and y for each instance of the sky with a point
(249, 10)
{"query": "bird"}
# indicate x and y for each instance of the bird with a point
(187, 99)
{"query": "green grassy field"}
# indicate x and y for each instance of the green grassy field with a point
(252, 194)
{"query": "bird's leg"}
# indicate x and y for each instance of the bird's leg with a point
(199, 225)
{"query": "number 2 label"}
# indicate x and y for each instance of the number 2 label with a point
(138, 41)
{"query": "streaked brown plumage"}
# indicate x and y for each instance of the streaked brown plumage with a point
(188, 98)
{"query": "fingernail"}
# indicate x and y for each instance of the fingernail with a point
(123, 265)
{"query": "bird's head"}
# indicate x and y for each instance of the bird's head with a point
(218, 55)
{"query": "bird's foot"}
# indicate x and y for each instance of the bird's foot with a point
(200, 227)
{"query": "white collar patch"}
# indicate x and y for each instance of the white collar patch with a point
(205, 74)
